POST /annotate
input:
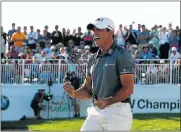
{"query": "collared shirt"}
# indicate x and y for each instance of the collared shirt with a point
(106, 70)
(34, 37)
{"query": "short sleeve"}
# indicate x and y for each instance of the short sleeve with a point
(126, 64)
(89, 65)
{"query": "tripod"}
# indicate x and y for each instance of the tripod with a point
(50, 83)
(68, 101)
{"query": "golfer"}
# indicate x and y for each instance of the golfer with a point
(111, 74)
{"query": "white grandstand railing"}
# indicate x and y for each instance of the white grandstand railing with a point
(20, 71)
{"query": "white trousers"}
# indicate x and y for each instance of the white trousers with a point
(116, 117)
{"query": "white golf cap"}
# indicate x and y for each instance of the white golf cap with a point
(102, 23)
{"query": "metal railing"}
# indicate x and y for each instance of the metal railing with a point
(39, 71)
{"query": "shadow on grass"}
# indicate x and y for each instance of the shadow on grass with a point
(152, 116)
(23, 125)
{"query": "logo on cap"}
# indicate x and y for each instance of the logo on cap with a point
(100, 19)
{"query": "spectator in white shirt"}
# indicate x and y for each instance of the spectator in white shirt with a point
(163, 43)
(121, 36)
(174, 55)
(64, 53)
(32, 38)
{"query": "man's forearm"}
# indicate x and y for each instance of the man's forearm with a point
(82, 93)
(121, 95)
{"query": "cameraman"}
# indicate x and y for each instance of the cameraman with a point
(36, 103)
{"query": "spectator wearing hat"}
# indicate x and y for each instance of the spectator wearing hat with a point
(174, 55)
(56, 36)
(18, 38)
(32, 38)
(10, 33)
(143, 38)
(36, 103)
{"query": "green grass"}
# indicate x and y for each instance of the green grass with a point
(141, 122)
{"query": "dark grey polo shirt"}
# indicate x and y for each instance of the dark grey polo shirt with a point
(106, 70)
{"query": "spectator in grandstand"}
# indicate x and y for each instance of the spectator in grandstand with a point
(58, 46)
(25, 30)
(128, 47)
(138, 31)
(143, 38)
(45, 71)
(18, 38)
(163, 43)
(82, 45)
(38, 54)
(47, 35)
(32, 38)
(88, 39)
(3, 43)
(28, 56)
(121, 35)
(41, 39)
(146, 54)
(47, 48)
(56, 36)
(71, 44)
(151, 74)
(64, 53)
(159, 28)
(64, 37)
(74, 32)
(13, 53)
(174, 55)
(69, 36)
(10, 33)
(163, 72)
(52, 51)
(174, 40)
(34, 69)
(132, 36)
(154, 37)
(153, 50)
(78, 37)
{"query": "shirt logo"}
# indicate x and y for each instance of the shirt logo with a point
(125, 71)
(109, 65)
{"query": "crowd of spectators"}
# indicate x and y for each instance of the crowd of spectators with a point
(42, 49)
